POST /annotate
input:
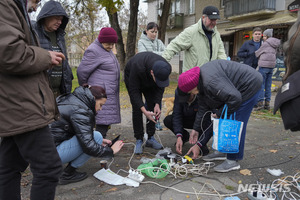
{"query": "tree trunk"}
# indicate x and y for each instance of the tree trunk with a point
(163, 20)
(113, 20)
(132, 30)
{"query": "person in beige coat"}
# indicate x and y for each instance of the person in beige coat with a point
(200, 42)
(27, 106)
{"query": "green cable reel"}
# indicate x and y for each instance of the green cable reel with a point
(156, 169)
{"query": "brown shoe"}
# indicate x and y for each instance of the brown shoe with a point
(267, 105)
(259, 106)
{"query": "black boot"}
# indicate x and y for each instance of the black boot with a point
(70, 175)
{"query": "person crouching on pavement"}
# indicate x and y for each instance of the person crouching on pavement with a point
(218, 83)
(146, 74)
(74, 135)
(183, 116)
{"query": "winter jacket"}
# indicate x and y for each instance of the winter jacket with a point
(291, 50)
(183, 111)
(78, 112)
(266, 54)
(146, 44)
(225, 82)
(100, 67)
(54, 8)
(26, 100)
(247, 53)
(137, 77)
(195, 45)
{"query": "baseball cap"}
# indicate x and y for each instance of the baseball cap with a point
(161, 71)
(212, 12)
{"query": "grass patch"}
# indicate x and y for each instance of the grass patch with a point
(123, 90)
(267, 114)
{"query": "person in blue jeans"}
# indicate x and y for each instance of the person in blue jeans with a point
(74, 135)
(218, 83)
(247, 50)
(266, 55)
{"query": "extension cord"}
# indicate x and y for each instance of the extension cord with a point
(135, 175)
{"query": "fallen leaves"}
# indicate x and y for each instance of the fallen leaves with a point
(111, 189)
(245, 172)
(273, 151)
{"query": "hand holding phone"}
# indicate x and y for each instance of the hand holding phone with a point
(114, 140)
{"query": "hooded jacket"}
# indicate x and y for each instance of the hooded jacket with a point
(78, 118)
(100, 67)
(138, 77)
(26, 100)
(54, 8)
(225, 82)
(146, 44)
(266, 54)
(195, 45)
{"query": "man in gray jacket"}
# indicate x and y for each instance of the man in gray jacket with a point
(200, 42)
(27, 106)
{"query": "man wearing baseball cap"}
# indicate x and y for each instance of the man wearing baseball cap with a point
(146, 74)
(200, 42)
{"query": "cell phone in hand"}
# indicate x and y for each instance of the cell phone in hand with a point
(114, 140)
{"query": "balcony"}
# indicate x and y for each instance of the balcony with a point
(175, 20)
(244, 8)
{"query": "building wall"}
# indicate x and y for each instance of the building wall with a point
(200, 5)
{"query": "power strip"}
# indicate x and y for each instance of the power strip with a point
(135, 175)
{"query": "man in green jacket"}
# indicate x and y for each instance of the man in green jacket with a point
(200, 42)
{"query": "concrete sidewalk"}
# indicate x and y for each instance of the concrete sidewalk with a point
(268, 145)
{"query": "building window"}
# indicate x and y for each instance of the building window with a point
(191, 7)
(222, 4)
(175, 7)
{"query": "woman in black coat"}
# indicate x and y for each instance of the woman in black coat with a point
(74, 135)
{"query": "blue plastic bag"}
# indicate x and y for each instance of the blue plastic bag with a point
(227, 133)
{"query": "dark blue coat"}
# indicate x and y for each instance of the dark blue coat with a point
(247, 53)
(182, 111)
(54, 8)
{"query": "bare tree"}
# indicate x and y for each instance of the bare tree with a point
(163, 20)
(132, 29)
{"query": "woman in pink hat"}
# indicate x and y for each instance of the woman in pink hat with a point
(99, 66)
(218, 83)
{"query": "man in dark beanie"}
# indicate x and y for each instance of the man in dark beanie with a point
(146, 74)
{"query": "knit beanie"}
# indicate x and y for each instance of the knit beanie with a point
(268, 33)
(107, 35)
(189, 80)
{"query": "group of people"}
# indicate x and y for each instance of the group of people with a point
(261, 52)
(42, 133)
